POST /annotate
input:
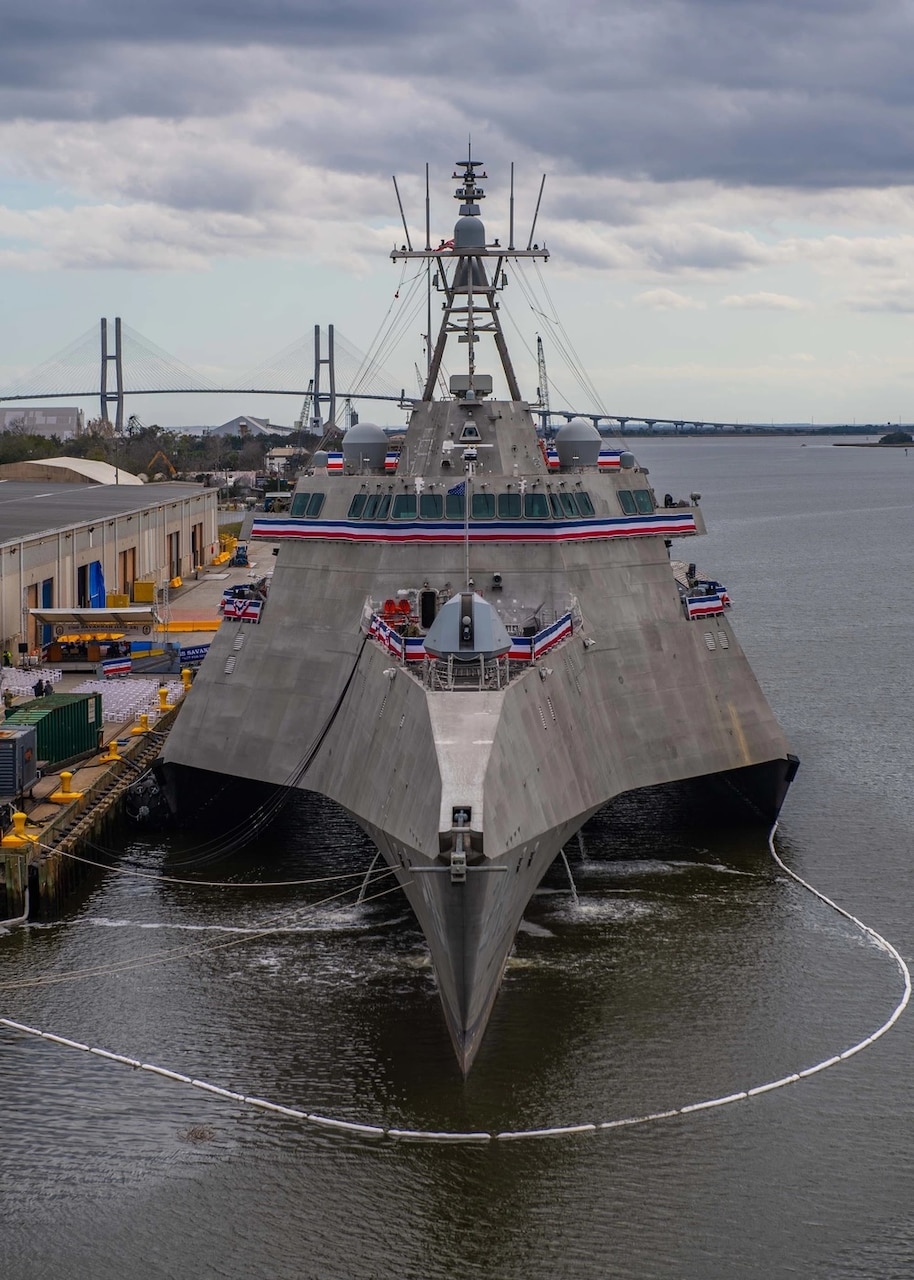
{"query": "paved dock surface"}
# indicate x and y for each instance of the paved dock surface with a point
(196, 602)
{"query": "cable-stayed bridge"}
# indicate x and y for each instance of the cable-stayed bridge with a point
(112, 363)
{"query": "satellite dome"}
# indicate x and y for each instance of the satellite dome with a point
(469, 233)
(319, 458)
(365, 447)
(578, 444)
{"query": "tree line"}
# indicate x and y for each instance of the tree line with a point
(141, 449)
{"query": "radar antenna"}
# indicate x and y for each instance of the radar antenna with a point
(470, 309)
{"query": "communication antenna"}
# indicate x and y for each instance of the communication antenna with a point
(409, 243)
(536, 212)
(511, 214)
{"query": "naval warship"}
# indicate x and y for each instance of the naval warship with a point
(474, 644)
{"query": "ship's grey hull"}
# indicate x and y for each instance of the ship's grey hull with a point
(470, 927)
(469, 792)
(529, 764)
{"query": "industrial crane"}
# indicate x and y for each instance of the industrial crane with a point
(303, 421)
(542, 391)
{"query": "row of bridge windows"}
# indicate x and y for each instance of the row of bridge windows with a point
(483, 506)
(560, 505)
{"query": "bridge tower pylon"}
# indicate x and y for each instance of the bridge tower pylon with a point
(115, 358)
(330, 395)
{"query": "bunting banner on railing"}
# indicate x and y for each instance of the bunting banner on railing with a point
(704, 606)
(386, 636)
(243, 610)
(550, 636)
(116, 667)
(523, 648)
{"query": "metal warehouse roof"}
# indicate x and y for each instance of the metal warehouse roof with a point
(99, 472)
(28, 509)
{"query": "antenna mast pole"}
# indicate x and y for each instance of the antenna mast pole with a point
(536, 211)
(470, 306)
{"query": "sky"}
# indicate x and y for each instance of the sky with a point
(728, 206)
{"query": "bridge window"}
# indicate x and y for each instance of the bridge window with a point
(373, 507)
(536, 506)
(315, 504)
(567, 501)
(583, 503)
(555, 506)
(404, 506)
(483, 506)
(431, 506)
(357, 505)
(509, 506)
(378, 507)
(644, 501)
(627, 502)
(300, 504)
(453, 506)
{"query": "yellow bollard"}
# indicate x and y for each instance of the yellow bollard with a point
(65, 794)
(163, 701)
(142, 727)
(111, 757)
(187, 678)
(18, 834)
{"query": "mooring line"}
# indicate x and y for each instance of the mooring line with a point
(338, 1125)
(199, 884)
(182, 953)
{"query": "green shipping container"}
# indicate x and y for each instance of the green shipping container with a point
(66, 724)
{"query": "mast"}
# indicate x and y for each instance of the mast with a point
(470, 309)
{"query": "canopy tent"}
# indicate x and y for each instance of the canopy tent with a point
(93, 621)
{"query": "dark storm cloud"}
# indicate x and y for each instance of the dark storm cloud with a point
(320, 22)
(805, 93)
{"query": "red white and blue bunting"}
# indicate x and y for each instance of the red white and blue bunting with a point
(523, 648)
(243, 610)
(668, 524)
(706, 606)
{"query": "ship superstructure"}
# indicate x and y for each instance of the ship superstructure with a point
(475, 643)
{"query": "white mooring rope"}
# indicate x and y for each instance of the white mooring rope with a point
(558, 1131)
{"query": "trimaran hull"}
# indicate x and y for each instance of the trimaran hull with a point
(473, 646)
(522, 780)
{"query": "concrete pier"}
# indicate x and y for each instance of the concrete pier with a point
(98, 782)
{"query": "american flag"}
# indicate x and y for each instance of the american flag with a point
(459, 488)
